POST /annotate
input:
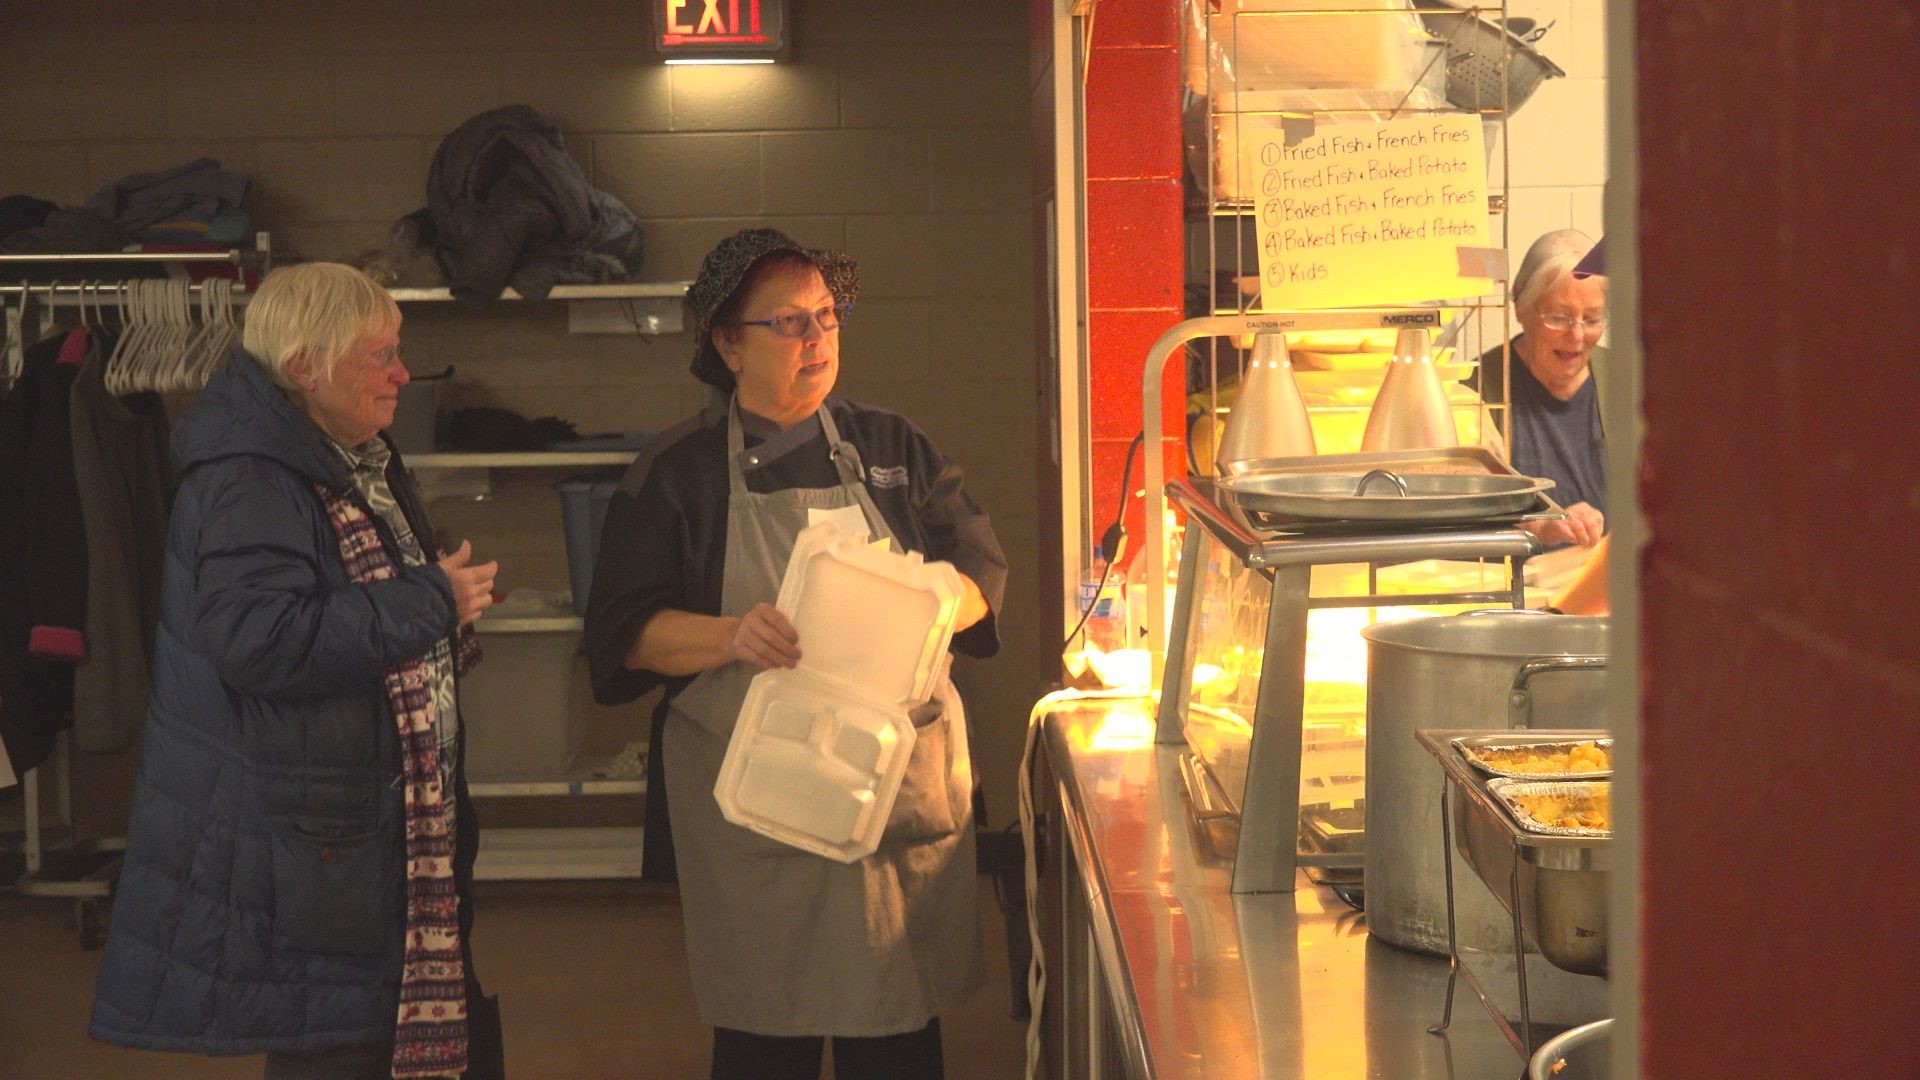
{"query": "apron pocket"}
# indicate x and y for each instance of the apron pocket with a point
(924, 808)
(335, 887)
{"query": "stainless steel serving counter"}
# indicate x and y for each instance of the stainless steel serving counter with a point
(1199, 982)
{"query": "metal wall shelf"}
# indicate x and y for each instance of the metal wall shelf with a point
(618, 290)
(539, 624)
(548, 854)
(557, 854)
(542, 459)
(586, 777)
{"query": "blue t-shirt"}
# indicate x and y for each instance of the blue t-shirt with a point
(1560, 440)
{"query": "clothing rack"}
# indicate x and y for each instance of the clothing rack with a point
(261, 256)
(137, 305)
(56, 863)
(72, 293)
(78, 294)
(234, 256)
(183, 328)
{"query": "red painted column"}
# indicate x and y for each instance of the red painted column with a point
(1780, 242)
(1134, 235)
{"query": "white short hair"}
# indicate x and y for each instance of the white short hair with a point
(1549, 262)
(320, 309)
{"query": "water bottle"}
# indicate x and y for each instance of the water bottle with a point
(1105, 611)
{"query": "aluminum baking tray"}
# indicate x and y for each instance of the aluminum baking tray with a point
(1557, 885)
(1442, 459)
(1386, 495)
(1473, 748)
(1510, 791)
(1407, 488)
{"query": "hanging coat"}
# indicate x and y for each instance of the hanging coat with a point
(43, 553)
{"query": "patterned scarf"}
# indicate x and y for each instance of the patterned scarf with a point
(430, 1036)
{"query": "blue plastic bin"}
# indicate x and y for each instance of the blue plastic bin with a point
(583, 511)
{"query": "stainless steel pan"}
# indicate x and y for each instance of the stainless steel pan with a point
(1386, 495)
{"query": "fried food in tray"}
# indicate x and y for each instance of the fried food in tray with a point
(1559, 760)
(1579, 808)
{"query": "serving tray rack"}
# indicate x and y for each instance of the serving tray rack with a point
(1554, 887)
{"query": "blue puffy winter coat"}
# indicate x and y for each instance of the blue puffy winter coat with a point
(261, 903)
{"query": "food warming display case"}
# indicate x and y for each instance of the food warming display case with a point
(1235, 688)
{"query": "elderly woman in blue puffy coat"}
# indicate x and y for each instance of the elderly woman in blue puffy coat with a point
(299, 861)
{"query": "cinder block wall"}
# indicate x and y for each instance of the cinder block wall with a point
(1559, 138)
(1556, 152)
(899, 133)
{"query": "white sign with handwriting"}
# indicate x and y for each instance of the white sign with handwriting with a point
(1366, 213)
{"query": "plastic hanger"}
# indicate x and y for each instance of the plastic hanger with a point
(229, 331)
(171, 367)
(189, 372)
(117, 377)
(186, 367)
(154, 346)
(14, 338)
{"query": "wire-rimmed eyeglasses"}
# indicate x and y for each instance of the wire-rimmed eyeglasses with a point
(795, 324)
(1562, 323)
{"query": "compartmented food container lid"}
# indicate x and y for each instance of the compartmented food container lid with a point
(869, 617)
(819, 750)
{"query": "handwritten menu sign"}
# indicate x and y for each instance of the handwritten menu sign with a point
(1366, 213)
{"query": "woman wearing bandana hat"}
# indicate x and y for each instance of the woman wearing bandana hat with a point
(788, 948)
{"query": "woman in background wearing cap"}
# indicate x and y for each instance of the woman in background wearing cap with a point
(1554, 427)
(787, 947)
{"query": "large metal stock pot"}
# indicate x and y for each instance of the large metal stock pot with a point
(1483, 669)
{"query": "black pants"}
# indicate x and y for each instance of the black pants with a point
(742, 1055)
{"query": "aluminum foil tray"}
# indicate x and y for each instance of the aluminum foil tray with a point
(1507, 790)
(1472, 749)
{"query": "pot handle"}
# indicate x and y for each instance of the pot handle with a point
(1388, 475)
(1201, 790)
(1520, 697)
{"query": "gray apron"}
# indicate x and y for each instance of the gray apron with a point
(781, 941)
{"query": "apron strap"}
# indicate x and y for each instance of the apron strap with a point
(853, 476)
(845, 456)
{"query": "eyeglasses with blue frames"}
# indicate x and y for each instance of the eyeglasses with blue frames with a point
(1562, 323)
(795, 324)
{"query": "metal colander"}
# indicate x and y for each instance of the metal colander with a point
(1476, 50)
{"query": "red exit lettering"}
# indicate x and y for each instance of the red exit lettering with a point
(719, 21)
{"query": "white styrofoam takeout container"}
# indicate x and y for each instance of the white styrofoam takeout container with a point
(819, 750)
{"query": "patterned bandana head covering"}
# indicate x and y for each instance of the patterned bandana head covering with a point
(721, 273)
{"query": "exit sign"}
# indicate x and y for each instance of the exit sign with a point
(720, 31)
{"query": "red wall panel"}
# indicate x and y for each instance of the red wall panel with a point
(1780, 244)
(1134, 245)
(1120, 24)
(1141, 141)
(1135, 234)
